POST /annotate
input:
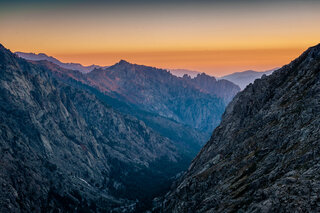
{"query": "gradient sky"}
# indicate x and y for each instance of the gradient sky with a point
(217, 37)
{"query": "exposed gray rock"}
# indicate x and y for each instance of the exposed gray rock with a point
(265, 154)
(62, 149)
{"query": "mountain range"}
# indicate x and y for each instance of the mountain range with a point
(182, 72)
(111, 139)
(115, 139)
(63, 149)
(242, 79)
(264, 156)
(162, 100)
(71, 66)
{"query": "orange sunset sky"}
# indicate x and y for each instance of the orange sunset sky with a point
(216, 37)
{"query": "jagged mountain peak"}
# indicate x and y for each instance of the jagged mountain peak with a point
(205, 76)
(123, 62)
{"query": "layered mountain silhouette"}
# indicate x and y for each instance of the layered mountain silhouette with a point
(264, 156)
(242, 79)
(71, 66)
(158, 91)
(181, 109)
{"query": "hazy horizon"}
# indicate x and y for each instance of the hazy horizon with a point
(215, 37)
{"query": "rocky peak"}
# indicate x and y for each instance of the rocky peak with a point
(203, 76)
(6, 58)
(123, 62)
(208, 84)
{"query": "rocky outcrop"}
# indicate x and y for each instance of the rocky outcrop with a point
(62, 149)
(265, 154)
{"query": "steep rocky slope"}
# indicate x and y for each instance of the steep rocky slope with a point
(62, 149)
(265, 154)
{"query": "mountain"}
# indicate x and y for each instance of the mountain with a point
(186, 138)
(182, 72)
(208, 84)
(65, 150)
(138, 85)
(246, 77)
(158, 91)
(71, 66)
(174, 107)
(265, 154)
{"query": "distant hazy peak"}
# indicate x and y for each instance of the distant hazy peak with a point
(242, 79)
(71, 66)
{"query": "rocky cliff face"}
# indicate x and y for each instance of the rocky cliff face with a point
(62, 149)
(265, 154)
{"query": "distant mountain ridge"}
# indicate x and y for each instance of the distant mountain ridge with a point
(71, 66)
(242, 79)
(208, 84)
(182, 72)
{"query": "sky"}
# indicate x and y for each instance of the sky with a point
(216, 37)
